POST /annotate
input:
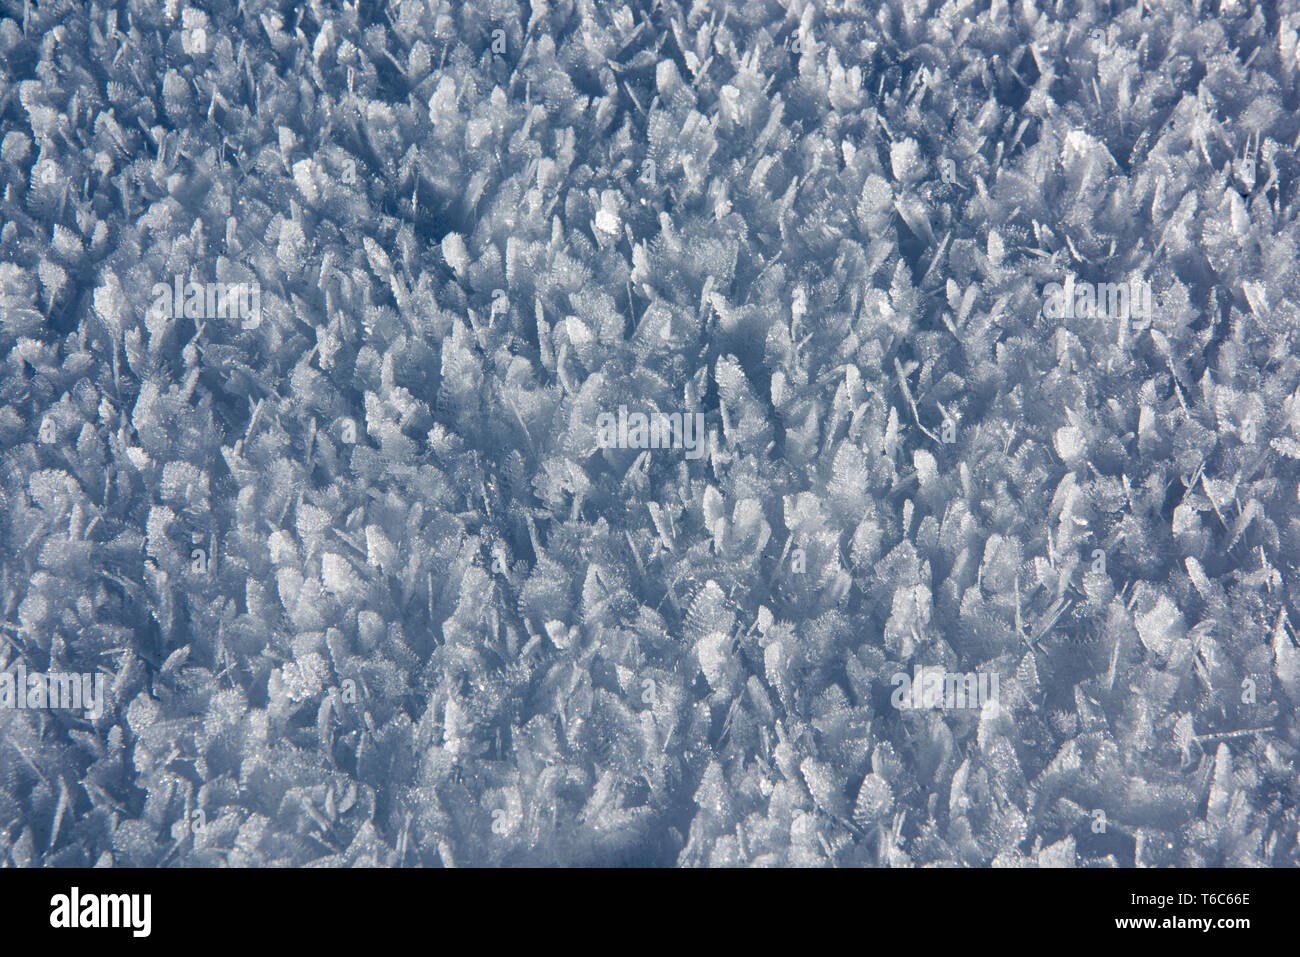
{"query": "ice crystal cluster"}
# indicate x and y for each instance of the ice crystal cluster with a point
(366, 584)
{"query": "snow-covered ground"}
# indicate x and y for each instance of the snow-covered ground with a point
(690, 434)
